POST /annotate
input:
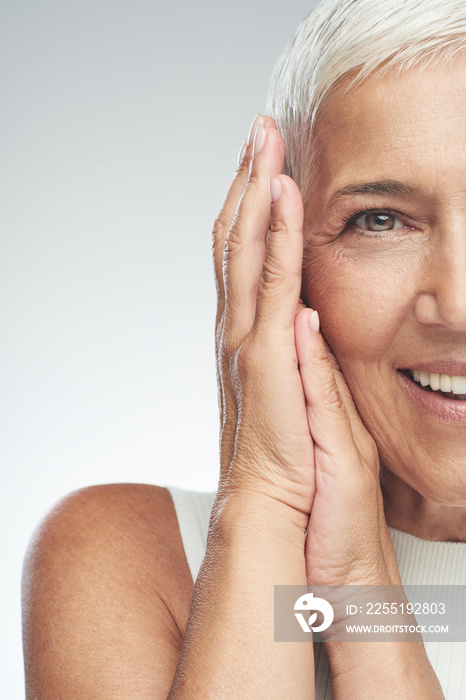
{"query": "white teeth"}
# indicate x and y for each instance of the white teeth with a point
(458, 385)
(443, 382)
(424, 378)
(434, 381)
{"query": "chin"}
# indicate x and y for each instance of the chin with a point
(411, 478)
(446, 487)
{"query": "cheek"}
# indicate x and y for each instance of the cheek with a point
(362, 300)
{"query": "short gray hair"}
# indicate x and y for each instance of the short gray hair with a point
(357, 36)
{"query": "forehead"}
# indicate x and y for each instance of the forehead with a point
(409, 127)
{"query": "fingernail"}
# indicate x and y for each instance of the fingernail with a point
(252, 131)
(242, 153)
(259, 141)
(275, 189)
(314, 321)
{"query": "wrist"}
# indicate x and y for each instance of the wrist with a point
(252, 545)
(264, 506)
(259, 534)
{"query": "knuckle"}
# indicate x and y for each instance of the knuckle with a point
(271, 278)
(234, 239)
(321, 362)
(228, 342)
(225, 348)
(278, 269)
(253, 182)
(243, 166)
(246, 358)
(234, 242)
(219, 229)
(273, 274)
(278, 227)
(331, 397)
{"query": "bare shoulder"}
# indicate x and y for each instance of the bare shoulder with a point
(106, 595)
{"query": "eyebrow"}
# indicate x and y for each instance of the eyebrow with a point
(386, 188)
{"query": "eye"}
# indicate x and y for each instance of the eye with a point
(377, 221)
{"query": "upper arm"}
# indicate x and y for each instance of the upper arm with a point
(106, 596)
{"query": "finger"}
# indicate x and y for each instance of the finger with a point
(329, 422)
(224, 339)
(246, 241)
(364, 441)
(278, 294)
(224, 220)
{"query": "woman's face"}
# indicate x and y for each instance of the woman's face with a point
(385, 265)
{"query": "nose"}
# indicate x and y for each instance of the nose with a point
(443, 299)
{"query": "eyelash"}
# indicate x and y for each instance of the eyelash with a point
(352, 217)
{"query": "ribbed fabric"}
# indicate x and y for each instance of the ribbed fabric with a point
(420, 562)
(436, 563)
(193, 512)
(430, 563)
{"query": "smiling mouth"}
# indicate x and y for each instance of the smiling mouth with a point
(448, 385)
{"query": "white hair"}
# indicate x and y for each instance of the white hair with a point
(353, 36)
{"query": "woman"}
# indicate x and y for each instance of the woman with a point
(341, 330)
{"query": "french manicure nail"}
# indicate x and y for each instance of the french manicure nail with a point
(252, 131)
(314, 321)
(259, 141)
(242, 153)
(275, 189)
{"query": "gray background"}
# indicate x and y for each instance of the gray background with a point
(120, 126)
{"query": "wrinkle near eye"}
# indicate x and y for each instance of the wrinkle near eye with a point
(326, 222)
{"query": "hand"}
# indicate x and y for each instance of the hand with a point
(289, 428)
(347, 540)
(265, 443)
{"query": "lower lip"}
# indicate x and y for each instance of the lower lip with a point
(451, 410)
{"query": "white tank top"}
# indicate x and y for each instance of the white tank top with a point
(421, 562)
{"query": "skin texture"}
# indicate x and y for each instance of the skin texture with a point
(106, 596)
(297, 453)
(408, 294)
